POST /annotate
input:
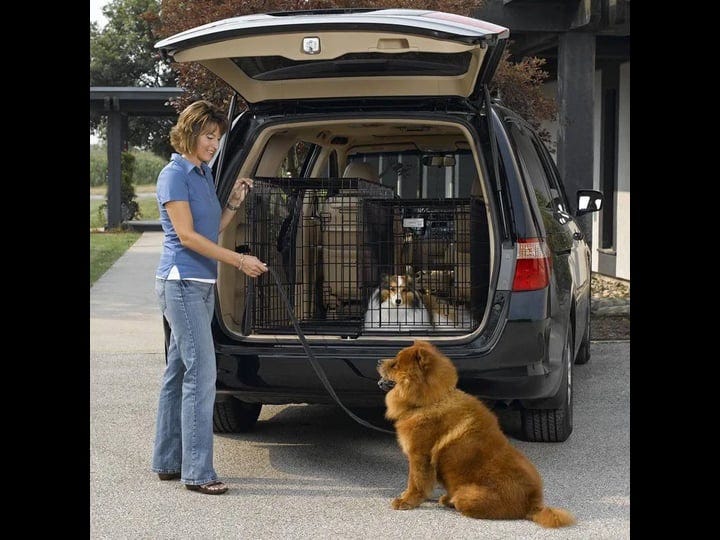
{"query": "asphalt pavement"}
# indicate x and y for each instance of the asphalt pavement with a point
(310, 471)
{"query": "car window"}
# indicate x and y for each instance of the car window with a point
(532, 167)
(366, 64)
(295, 161)
(557, 190)
(405, 173)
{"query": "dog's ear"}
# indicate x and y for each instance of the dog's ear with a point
(423, 356)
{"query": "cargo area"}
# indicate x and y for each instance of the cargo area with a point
(354, 259)
(396, 245)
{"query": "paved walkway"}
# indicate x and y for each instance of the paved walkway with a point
(124, 315)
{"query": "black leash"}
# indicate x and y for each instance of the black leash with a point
(313, 361)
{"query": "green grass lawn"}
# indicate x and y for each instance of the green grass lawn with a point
(148, 211)
(108, 247)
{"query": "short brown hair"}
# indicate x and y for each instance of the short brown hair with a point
(197, 118)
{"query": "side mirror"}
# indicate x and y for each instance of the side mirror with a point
(438, 161)
(588, 200)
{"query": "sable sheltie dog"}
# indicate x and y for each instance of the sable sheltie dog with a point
(396, 303)
(443, 314)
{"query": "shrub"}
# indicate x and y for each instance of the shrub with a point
(127, 190)
(129, 208)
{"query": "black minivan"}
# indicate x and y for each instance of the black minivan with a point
(394, 201)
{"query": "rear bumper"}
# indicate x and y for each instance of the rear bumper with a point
(517, 367)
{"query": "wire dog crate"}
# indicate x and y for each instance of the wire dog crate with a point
(312, 232)
(341, 245)
(428, 287)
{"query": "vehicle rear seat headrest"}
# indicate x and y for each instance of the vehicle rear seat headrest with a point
(360, 169)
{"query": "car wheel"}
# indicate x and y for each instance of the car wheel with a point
(553, 425)
(235, 416)
(583, 354)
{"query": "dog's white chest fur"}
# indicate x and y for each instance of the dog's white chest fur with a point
(390, 315)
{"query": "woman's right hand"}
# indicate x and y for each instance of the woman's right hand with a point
(251, 265)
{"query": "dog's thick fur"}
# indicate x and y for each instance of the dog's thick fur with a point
(443, 314)
(452, 438)
(396, 303)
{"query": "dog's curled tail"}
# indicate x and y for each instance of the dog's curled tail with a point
(550, 517)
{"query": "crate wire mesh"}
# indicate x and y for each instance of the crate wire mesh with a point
(311, 231)
(428, 287)
(340, 244)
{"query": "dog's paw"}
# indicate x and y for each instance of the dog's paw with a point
(401, 504)
(445, 501)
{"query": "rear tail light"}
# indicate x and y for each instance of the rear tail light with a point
(532, 269)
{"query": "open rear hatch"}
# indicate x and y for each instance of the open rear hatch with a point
(356, 53)
(337, 241)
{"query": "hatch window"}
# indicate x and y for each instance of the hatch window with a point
(274, 68)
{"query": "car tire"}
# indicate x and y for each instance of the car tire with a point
(583, 354)
(553, 425)
(235, 416)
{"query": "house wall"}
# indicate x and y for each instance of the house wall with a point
(597, 137)
(622, 264)
(622, 203)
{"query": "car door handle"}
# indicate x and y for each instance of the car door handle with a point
(578, 235)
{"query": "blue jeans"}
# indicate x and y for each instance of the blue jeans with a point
(184, 436)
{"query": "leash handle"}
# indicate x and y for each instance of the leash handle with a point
(315, 364)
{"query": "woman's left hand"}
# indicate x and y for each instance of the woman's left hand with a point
(240, 190)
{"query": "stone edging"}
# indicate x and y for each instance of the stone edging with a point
(610, 306)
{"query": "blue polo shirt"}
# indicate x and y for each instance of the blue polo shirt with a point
(180, 180)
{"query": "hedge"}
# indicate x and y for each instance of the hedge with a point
(147, 166)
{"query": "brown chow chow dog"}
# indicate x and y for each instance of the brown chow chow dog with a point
(452, 438)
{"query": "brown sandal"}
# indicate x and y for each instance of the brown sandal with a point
(216, 487)
(168, 475)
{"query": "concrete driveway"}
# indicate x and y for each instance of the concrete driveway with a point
(310, 471)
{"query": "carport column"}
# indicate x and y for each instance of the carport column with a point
(575, 95)
(114, 150)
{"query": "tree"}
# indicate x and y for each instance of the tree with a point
(518, 84)
(123, 54)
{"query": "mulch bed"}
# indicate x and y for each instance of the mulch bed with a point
(609, 328)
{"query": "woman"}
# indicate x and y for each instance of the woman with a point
(192, 217)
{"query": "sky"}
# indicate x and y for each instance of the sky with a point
(96, 11)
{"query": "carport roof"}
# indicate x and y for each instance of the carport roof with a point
(134, 99)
